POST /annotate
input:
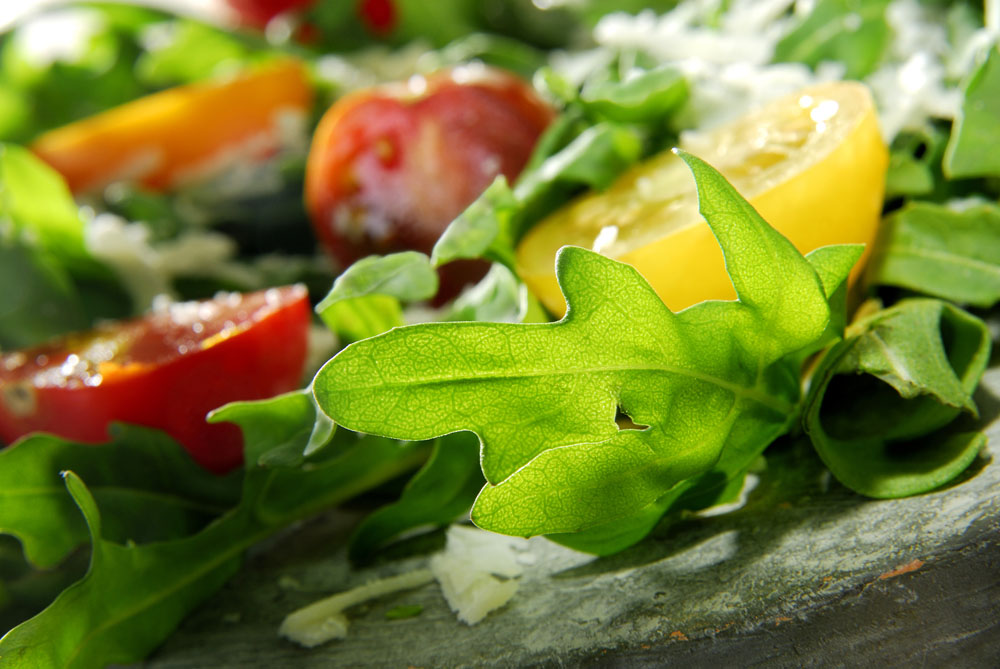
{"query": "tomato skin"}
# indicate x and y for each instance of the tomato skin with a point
(258, 12)
(161, 373)
(390, 167)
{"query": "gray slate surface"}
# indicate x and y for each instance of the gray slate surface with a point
(805, 574)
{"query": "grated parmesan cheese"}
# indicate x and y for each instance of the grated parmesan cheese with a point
(477, 571)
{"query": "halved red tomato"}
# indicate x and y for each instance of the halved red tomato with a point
(166, 370)
(391, 166)
(259, 12)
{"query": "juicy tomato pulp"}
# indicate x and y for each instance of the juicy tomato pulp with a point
(166, 370)
(391, 167)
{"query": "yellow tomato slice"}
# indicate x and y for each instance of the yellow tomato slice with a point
(813, 165)
(165, 138)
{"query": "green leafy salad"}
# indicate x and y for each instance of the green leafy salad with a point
(428, 400)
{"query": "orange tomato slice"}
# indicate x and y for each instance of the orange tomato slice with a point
(181, 133)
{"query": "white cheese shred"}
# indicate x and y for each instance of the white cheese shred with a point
(477, 571)
(324, 620)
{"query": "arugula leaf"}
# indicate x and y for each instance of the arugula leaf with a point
(642, 95)
(439, 493)
(566, 157)
(852, 33)
(724, 481)
(44, 262)
(365, 299)
(130, 600)
(486, 229)
(143, 480)
(543, 397)
(39, 301)
(971, 150)
(594, 158)
(183, 51)
(134, 595)
(498, 298)
(490, 226)
(35, 200)
(903, 373)
(604, 129)
(278, 444)
(913, 158)
(941, 252)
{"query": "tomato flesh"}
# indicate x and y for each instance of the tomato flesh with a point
(391, 167)
(166, 370)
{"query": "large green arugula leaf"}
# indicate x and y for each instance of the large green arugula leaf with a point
(724, 481)
(941, 252)
(878, 396)
(130, 599)
(133, 596)
(971, 149)
(145, 483)
(543, 397)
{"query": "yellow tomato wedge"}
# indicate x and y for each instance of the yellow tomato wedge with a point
(178, 134)
(813, 165)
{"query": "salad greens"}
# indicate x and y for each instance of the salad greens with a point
(591, 430)
(880, 395)
(938, 251)
(133, 594)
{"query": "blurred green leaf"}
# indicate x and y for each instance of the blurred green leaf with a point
(647, 96)
(846, 31)
(975, 134)
(183, 51)
(935, 250)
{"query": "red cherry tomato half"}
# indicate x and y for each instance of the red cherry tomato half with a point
(258, 12)
(166, 370)
(390, 167)
(379, 16)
